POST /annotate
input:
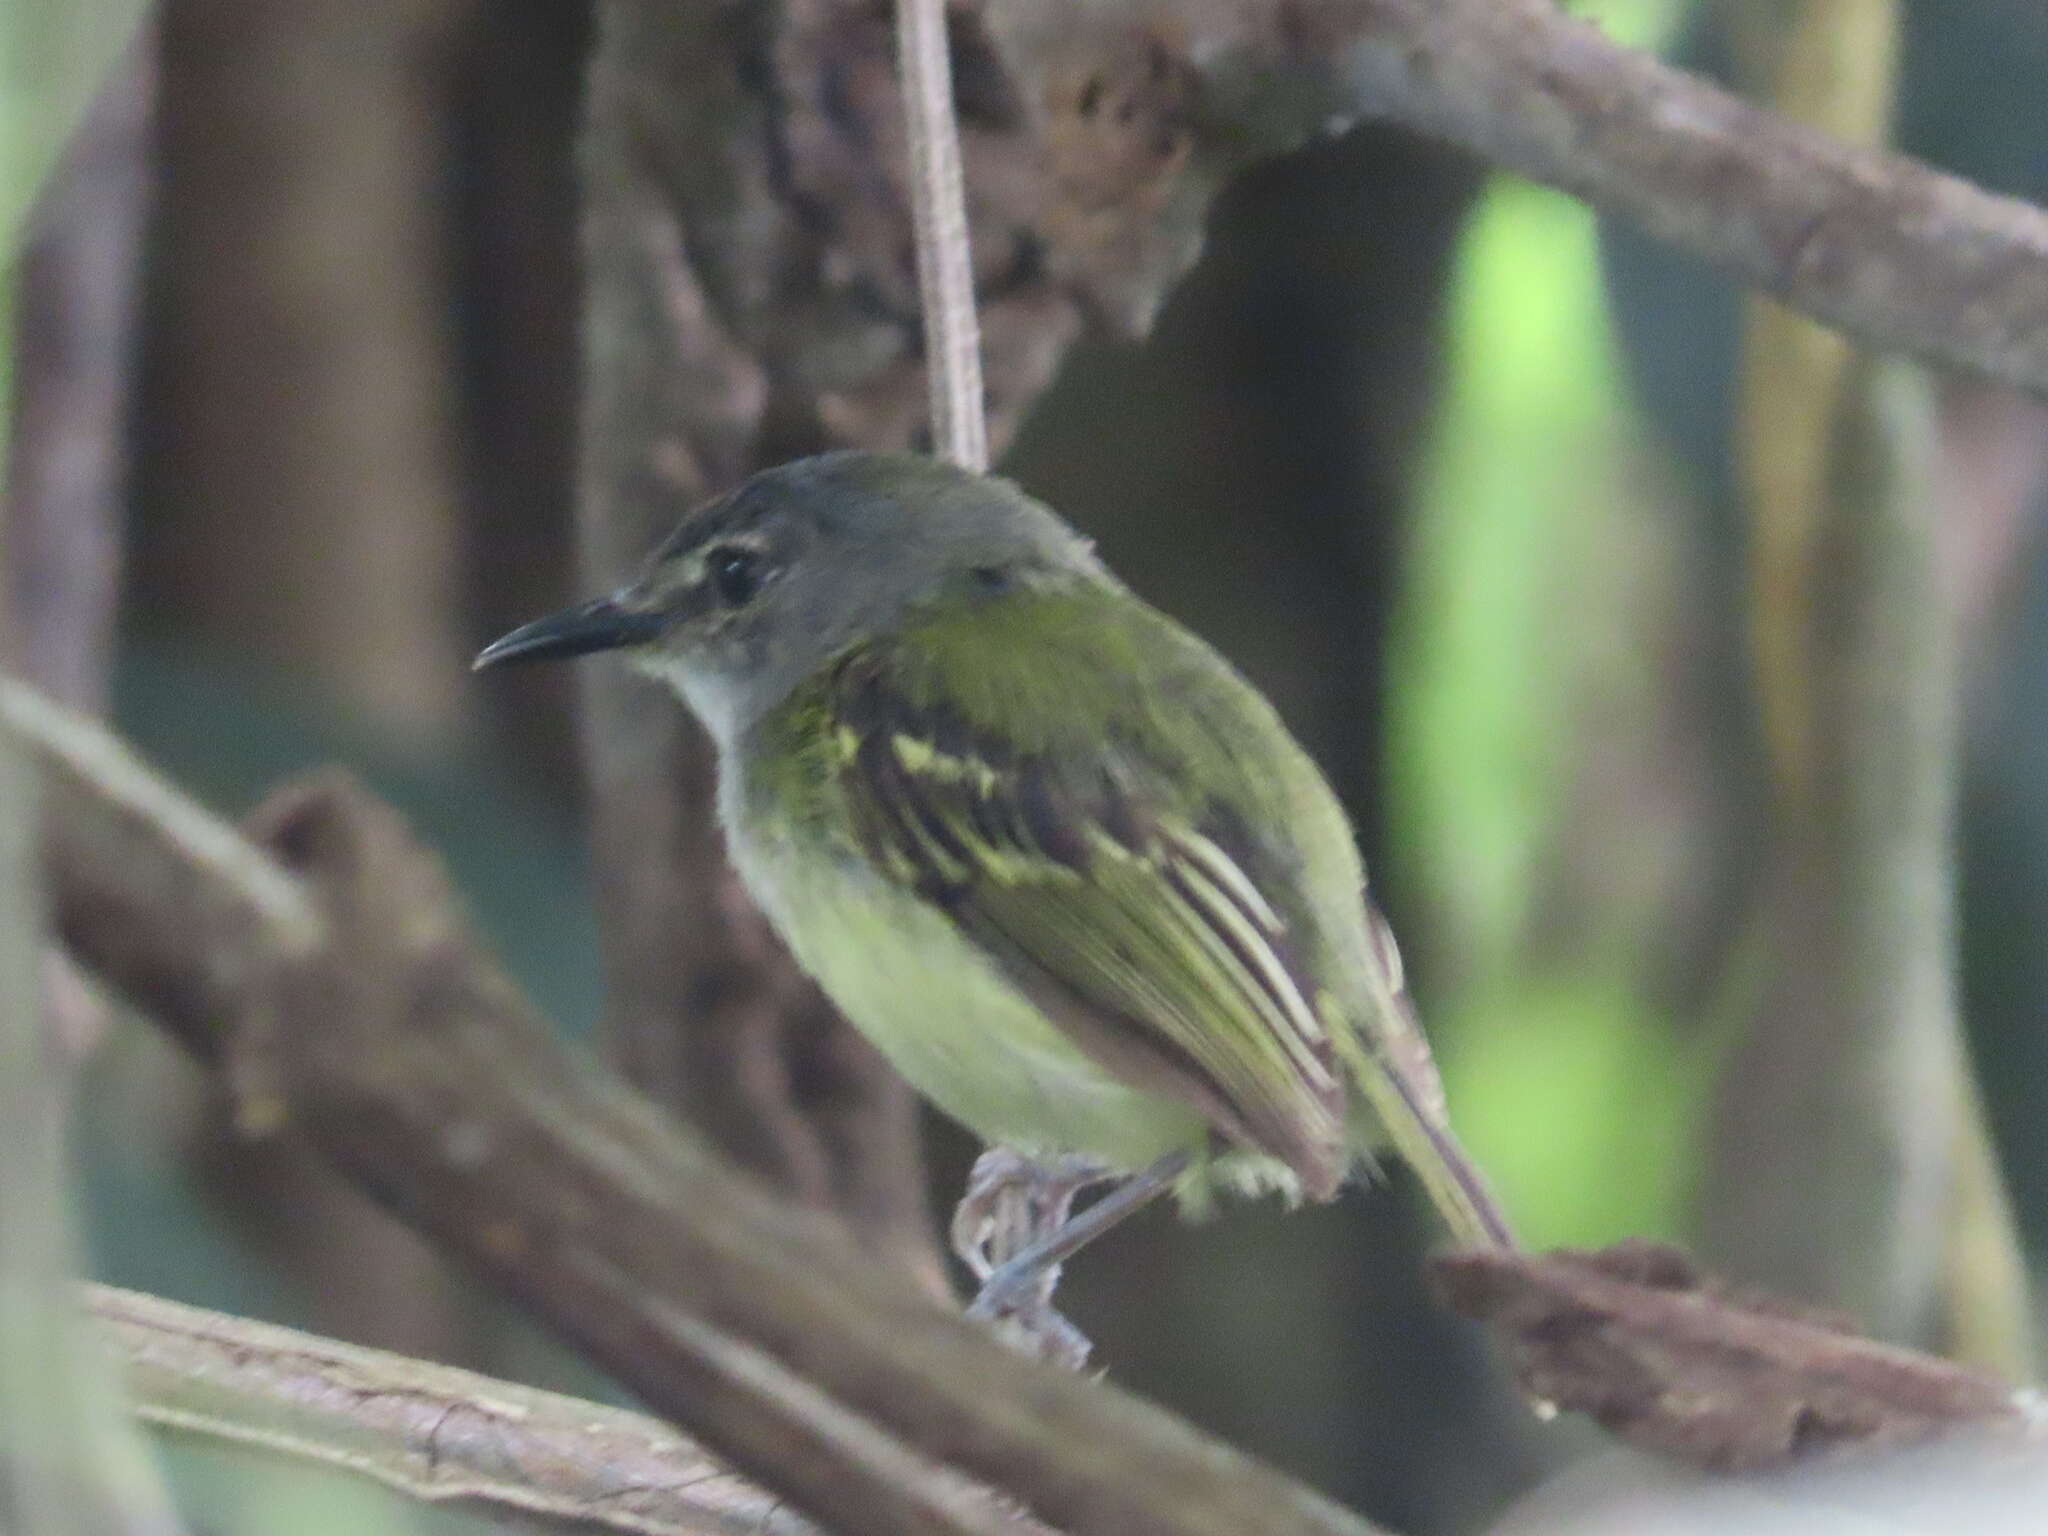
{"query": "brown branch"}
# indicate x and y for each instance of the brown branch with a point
(1851, 1064)
(77, 292)
(363, 1015)
(433, 1432)
(71, 1463)
(1664, 1357)
(331, 968)
(1886, 249)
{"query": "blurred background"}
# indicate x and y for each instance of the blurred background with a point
(1707, 799)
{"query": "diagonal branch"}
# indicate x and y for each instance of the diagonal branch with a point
(1881, 246)
(334, 974)
(433, 1432)
(1885, 248)
(361, 1012)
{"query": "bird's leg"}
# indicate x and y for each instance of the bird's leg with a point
(1011, 1280)
(1013, 1201)
(1012, 1204)
(1019, 1286)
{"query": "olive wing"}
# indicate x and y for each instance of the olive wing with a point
(1133, 925)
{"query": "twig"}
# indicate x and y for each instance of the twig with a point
(945, 257)
(386, 1038)
(431, 1431)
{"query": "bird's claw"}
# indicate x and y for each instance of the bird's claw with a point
(1012, 1204)
(1035, 1329)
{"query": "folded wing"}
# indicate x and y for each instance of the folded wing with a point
(1137, 930)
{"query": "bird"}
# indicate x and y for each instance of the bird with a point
(1045, 847)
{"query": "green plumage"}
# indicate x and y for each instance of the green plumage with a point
(1041, 844)
(1156, 907)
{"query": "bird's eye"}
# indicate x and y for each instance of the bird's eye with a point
(736, 574)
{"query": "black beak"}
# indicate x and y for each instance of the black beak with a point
(598, 626)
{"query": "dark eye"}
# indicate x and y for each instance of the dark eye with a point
(736, 574)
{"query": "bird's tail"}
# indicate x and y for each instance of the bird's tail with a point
(1398, 1079)
(1419, 1132)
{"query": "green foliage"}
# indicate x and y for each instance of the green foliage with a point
(1570, 1097)
(1477, 761)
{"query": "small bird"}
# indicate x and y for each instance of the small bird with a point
(1043, 846)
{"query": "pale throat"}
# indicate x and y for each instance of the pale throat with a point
(718, 700)
(729, 703)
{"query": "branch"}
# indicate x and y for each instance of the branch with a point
(1880, 246)
(76, 294)
(433, 1432)
(1884, 248)
(71, 1464)
(1666, 1358)
(353, 1004)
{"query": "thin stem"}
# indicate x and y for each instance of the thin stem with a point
(945, 258)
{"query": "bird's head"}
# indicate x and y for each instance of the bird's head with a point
(758, 589)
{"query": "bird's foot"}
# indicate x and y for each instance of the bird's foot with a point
(1014, 1202)
(1013, 1206)
(1015, 1228)
(1032, 1326)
